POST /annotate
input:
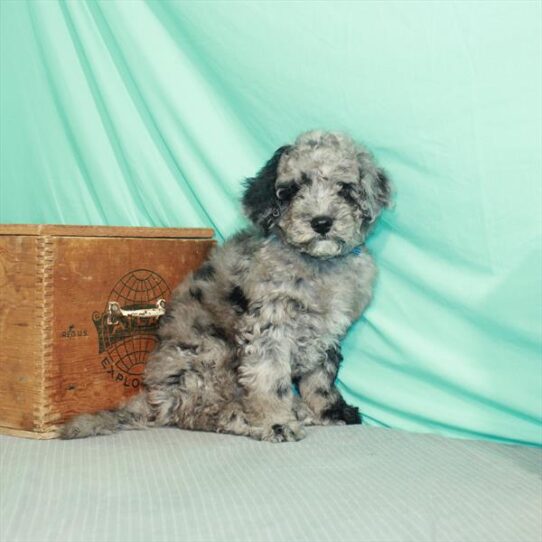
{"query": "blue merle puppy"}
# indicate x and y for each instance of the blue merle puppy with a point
(270, 307)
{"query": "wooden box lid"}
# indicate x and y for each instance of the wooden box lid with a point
(105, 231)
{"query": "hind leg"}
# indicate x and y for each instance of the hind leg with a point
(193, 387)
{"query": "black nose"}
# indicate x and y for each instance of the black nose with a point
(321, 224)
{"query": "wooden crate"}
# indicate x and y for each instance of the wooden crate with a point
(66, 347)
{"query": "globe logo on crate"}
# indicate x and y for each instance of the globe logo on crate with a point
(127, 328)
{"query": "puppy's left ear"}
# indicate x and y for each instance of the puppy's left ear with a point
(377, 189)
(383, 188)
(260, 199)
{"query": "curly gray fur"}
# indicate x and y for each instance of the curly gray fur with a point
(270, 307)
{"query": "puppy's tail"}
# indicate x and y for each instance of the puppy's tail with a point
(135, 414)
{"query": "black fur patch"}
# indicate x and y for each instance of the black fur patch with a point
(351, 415)
(334, 356)
(186, 346)
(286, 192)
(322, 392)
(260, 200)
(347, 193)
(283, 390)
(196, 293)
(238, 299)
(217, 332)
(205, 272)
(175, 379)
(305, 179)
(383, 189)
(339, 410)
(278, 429)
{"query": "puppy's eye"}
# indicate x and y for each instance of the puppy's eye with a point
(287, 192)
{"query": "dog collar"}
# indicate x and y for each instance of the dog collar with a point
(357, 251)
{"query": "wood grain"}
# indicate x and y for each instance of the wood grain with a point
(20, 332)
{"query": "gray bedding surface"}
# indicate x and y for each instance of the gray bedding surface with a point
(340, 484)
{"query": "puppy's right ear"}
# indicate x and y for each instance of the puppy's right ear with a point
(260, 200)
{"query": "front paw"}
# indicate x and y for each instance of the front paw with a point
(341, 413)
(351, 415)
(283, 432)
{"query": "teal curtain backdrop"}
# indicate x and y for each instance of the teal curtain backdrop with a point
(151, 113)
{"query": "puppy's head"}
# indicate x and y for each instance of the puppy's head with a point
(321, 194)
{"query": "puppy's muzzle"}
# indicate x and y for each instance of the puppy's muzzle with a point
(321, 224)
